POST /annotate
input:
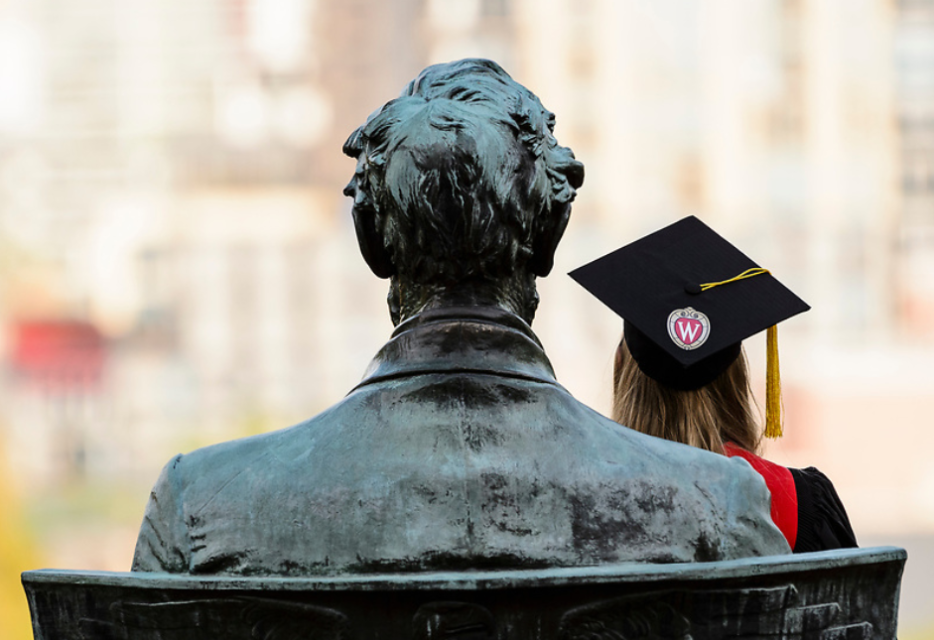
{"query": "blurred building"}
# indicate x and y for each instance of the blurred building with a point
(57, 379)
(180, 175)
(914, 84)
(171, 176)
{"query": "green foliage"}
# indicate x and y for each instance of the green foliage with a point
(17, 554)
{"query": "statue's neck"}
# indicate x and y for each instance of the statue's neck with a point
(518, 296)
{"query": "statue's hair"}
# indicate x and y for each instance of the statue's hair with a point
(462, 172)
(719, 412)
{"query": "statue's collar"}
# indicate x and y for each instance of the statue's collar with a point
(462, 339)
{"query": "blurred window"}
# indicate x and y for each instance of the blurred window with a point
(495, 8)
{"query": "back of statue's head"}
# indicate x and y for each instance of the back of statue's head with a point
(461, 179)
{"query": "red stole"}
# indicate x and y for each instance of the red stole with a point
(782, 487)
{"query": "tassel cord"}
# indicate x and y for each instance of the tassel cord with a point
(773, 383)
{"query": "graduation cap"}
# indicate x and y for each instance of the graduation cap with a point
(689, 298)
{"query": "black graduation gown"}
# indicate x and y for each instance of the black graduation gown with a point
(822, 520)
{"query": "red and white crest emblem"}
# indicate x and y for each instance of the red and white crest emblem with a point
(688, 328)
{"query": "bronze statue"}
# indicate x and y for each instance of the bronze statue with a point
(458, 449)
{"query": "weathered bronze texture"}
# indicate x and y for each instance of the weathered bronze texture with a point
(458, 450)
(821, 596)
(461, 191)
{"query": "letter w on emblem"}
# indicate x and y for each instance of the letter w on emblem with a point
(688, 330)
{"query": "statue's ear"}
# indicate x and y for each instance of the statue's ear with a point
(566, 175)
(545, 245)
(370, 240)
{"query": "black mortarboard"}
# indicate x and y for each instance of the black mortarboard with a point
(688, 298)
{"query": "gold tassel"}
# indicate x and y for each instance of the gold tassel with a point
(773, 386)
(773, 382)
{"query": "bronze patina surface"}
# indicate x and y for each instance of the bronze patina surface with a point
(850, 593)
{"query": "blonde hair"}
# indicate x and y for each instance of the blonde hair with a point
(719, 412)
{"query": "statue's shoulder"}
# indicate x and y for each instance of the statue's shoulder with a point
(208, 467)
(650, 456)
(657, 452)
(264, 445)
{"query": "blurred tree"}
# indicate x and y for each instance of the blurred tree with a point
(17, 554)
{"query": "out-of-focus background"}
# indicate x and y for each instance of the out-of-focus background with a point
(178, 267)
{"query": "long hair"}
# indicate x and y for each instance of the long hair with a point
(719, 412)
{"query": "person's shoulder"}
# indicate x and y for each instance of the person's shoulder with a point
(823, 522)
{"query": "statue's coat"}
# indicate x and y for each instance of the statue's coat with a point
(458, 450)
